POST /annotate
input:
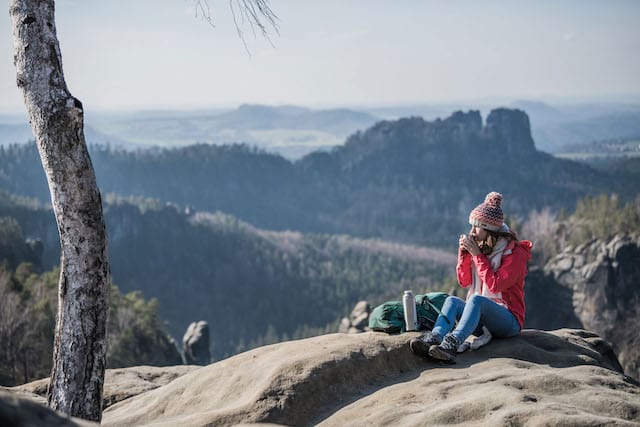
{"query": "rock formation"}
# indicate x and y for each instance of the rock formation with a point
(195, 344)
(17, 410)
(541, 378)
(119, 384)
(26, 405)
(358, 320)
(595, 286)
(511, 130)
(375, 379)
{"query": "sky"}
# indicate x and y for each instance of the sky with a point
(157, 54)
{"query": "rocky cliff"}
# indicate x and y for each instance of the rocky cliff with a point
(568, 377)
(511, 130)
(595, 286)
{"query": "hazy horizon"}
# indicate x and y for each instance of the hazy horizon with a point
(357, 54)
(633, 101)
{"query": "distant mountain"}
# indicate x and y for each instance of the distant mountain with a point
(556, 126)
(541, 113)
(94, 136)
(294, 131)
(288, 130)
(553, 137)
(21, 133)
(408, 180)
(262, 117)
(552, 124)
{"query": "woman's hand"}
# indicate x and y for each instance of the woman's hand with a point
(460, 241)
(469, 245)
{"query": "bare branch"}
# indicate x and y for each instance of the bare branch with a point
(202, 8)
(257, 14)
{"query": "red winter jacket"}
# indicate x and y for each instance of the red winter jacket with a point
(509, 279)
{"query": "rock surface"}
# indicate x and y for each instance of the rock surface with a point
(195, 344)
(565, 376)
(358, 320)
(568, 377)
(511, 129)
(595, 286)
(119, 384)
(16, 410)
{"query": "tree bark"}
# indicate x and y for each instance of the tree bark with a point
(57, 121)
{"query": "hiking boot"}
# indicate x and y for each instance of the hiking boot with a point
(447, 351)
(420, 346)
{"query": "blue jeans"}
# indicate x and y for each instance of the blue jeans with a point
(500, 321)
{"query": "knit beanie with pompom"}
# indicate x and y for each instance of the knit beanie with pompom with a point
(488, 215)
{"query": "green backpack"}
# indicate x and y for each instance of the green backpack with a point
(389, 316)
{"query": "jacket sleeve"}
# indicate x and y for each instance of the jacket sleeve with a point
(511, 269)
(463, 269)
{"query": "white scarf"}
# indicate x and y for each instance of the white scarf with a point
(495, 257)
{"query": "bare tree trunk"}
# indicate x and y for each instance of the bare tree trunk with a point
(57, 121)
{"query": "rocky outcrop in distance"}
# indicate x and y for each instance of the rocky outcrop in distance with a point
(195, 344)
(595, 286)
(358, 320)
(538, 378)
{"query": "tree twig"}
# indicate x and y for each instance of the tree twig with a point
(255, 13)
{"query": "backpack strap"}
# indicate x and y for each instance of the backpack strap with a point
(426, 299)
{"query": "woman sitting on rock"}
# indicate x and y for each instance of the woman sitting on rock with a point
(492, 263)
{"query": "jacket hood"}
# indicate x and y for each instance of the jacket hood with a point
(526, 245)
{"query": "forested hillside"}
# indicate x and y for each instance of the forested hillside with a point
(252, 286)
(407, 180)
(28, 305)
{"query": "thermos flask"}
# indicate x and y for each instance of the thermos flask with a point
(410, 315)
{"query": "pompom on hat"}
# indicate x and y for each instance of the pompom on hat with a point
(488, 215)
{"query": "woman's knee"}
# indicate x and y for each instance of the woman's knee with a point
(478, 300)
(452, 308)
(452, 301)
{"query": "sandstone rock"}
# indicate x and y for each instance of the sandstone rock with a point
(360, 315)
(549, 305)
(123, 383)
(511, 127)
(563, 264)
(119, 384)
(195, 344)
(358, 320)
(17, 410)
(344, 326)
(599, 292)
(467, 124)
(539, 378)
